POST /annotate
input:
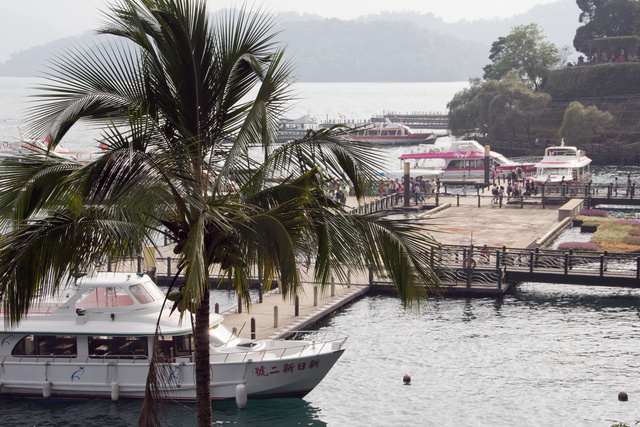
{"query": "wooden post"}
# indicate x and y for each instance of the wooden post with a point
(570, 259)
(531, 262)
(458, 200)
(297, 306)
(239, 303)
(601, 265)
(348, 279)
(407, 185)
(109, 265)
(333, 287)
(168, 266)
(478, 200)
(253, 328)
(498, 270)
(260, 287)
(315, 296)
(275, 316)
(217, 308)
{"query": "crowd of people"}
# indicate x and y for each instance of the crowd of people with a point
(423, 188)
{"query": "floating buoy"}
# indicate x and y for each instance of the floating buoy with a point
(46, 389)
(406, 379)
(115, 391)
(623, 397)
(241, 396)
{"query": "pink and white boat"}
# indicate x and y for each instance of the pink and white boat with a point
(461, 160)
(95, 339)
(562, 164)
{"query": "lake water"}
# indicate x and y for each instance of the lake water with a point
(543, 355)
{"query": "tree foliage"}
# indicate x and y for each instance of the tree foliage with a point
(498, 108)
(188, 121)
(524, 50)
(579, 124)
(606, 18)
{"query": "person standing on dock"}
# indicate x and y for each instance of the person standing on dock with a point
(628, 184)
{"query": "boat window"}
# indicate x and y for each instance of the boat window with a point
(455, 164)
(46, 345)
(111, 296)
(117, 346)
(141, 294)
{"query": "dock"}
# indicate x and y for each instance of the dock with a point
(456, 222)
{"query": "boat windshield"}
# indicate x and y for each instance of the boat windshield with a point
(561, 151)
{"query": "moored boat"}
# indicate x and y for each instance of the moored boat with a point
(12, 150)
(453, 159)
(389, 133)
(291, 129)
(95, 339)
(562, 164)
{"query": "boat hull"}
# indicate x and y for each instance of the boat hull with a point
(70, 378)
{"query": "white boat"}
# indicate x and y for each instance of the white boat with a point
(11, 150)
(453, 159)
(96, 337)
(389, 134)
(291, 129)
(562, 164)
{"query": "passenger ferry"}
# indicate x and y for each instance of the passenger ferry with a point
(562, 164)
(462, 160)
(389, 134)
(96, 337)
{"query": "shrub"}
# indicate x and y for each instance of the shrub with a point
(635, 231)
(628, 222)
(593, 212)
(580, 246)
(631, 240)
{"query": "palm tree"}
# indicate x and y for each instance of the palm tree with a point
(188, 110)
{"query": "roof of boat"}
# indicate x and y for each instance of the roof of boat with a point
(80, 313)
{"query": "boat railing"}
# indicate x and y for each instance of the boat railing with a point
(525, 160)
(290, 350)
(73, 359)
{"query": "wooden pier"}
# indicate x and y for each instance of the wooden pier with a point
(503, 242)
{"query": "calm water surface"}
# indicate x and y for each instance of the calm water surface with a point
(544, 355)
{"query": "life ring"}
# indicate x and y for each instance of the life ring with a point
(5, 144)
(469, 263)
(436, 150)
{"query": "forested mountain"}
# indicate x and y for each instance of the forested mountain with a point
(389, 47)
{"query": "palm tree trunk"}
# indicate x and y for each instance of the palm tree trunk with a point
(203, 373)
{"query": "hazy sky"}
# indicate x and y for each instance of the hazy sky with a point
(82, 14)
(28, 23)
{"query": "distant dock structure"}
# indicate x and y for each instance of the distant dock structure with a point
(417, 120)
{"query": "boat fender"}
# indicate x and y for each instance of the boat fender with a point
(46, 389)
(241, 396)
(469, 263)
(115, 391)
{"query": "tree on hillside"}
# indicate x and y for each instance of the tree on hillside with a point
(580, 124)
(188, 120)
(497, 108)
(524, 50)
(606, 18)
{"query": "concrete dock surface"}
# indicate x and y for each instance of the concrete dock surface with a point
(458, 221)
